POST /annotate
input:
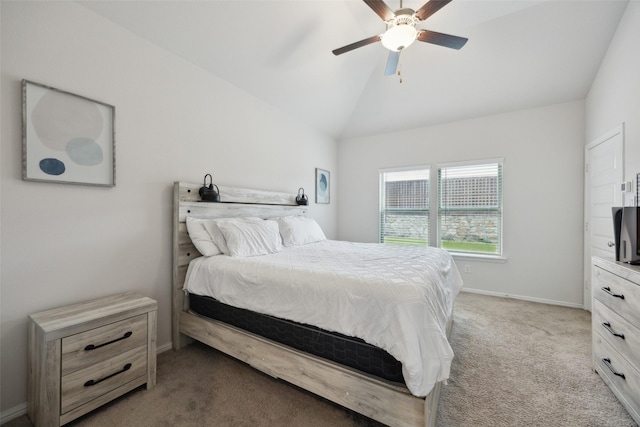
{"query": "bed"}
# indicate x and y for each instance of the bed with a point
(371, 393)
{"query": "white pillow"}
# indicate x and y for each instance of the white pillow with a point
(216, 235)
(250, 236)
(299, 230)
(200, 236)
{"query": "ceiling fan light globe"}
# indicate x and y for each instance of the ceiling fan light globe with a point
(399, 37)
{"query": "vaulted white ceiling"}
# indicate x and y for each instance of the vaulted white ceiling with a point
(520, 54)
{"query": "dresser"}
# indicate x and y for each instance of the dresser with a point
(84, 355)
(616, 329)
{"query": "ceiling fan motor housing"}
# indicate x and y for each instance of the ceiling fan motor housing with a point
(401, 30)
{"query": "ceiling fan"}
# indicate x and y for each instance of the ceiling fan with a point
(401, 31)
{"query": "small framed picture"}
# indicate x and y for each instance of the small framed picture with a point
(323, 185)
(66, 138)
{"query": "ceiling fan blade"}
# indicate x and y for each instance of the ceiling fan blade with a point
(356, 45)
(431, 7)
(381, 9)
(446, 40)
(392, 63)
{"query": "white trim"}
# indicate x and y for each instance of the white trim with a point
(586, 278)
(13, 413)
(471, 162)
(463, 256)
(164, 347)
(404, 168)
(523, 298)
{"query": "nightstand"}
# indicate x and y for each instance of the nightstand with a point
(84, 355)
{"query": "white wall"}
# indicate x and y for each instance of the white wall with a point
(614, 97)
(63, 243)
(543, 181)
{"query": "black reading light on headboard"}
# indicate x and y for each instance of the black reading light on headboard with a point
(301, 198)
(209, 193)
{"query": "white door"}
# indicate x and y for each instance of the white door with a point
(603, 175)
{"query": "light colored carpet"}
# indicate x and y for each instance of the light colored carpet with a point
(520, 363)
(517, 363)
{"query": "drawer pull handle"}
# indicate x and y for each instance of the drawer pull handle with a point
(93, 347)
(94, 382)
(607, 363)
(608, 290)
(607, 326)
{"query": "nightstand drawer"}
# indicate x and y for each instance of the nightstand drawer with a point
(93, 381)
(99, 344)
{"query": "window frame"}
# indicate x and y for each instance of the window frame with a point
(434, 201)
(381, 196)
(499, 255)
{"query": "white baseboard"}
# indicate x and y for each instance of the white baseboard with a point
(12, 413)
(20, 410)
(524, 298)
(164, 347)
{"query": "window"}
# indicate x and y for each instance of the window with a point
(404, 206)
(470, 207)
(468, 204)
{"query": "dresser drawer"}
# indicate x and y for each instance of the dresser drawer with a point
(626, 389)
(99, 344)
(93, 381)
(620, 295)
(620, 334)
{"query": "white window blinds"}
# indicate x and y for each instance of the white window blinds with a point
(404, 206)
(470, 207)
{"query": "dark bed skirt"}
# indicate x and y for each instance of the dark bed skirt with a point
(348, 351)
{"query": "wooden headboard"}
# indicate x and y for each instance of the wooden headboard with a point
(234, 202)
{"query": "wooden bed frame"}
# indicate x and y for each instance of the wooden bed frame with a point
(382, 401)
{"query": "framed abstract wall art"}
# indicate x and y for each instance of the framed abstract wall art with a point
(66, 138)
(323, 185)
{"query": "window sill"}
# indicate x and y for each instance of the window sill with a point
(479, 257)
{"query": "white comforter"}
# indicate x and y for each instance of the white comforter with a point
(395, 297)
